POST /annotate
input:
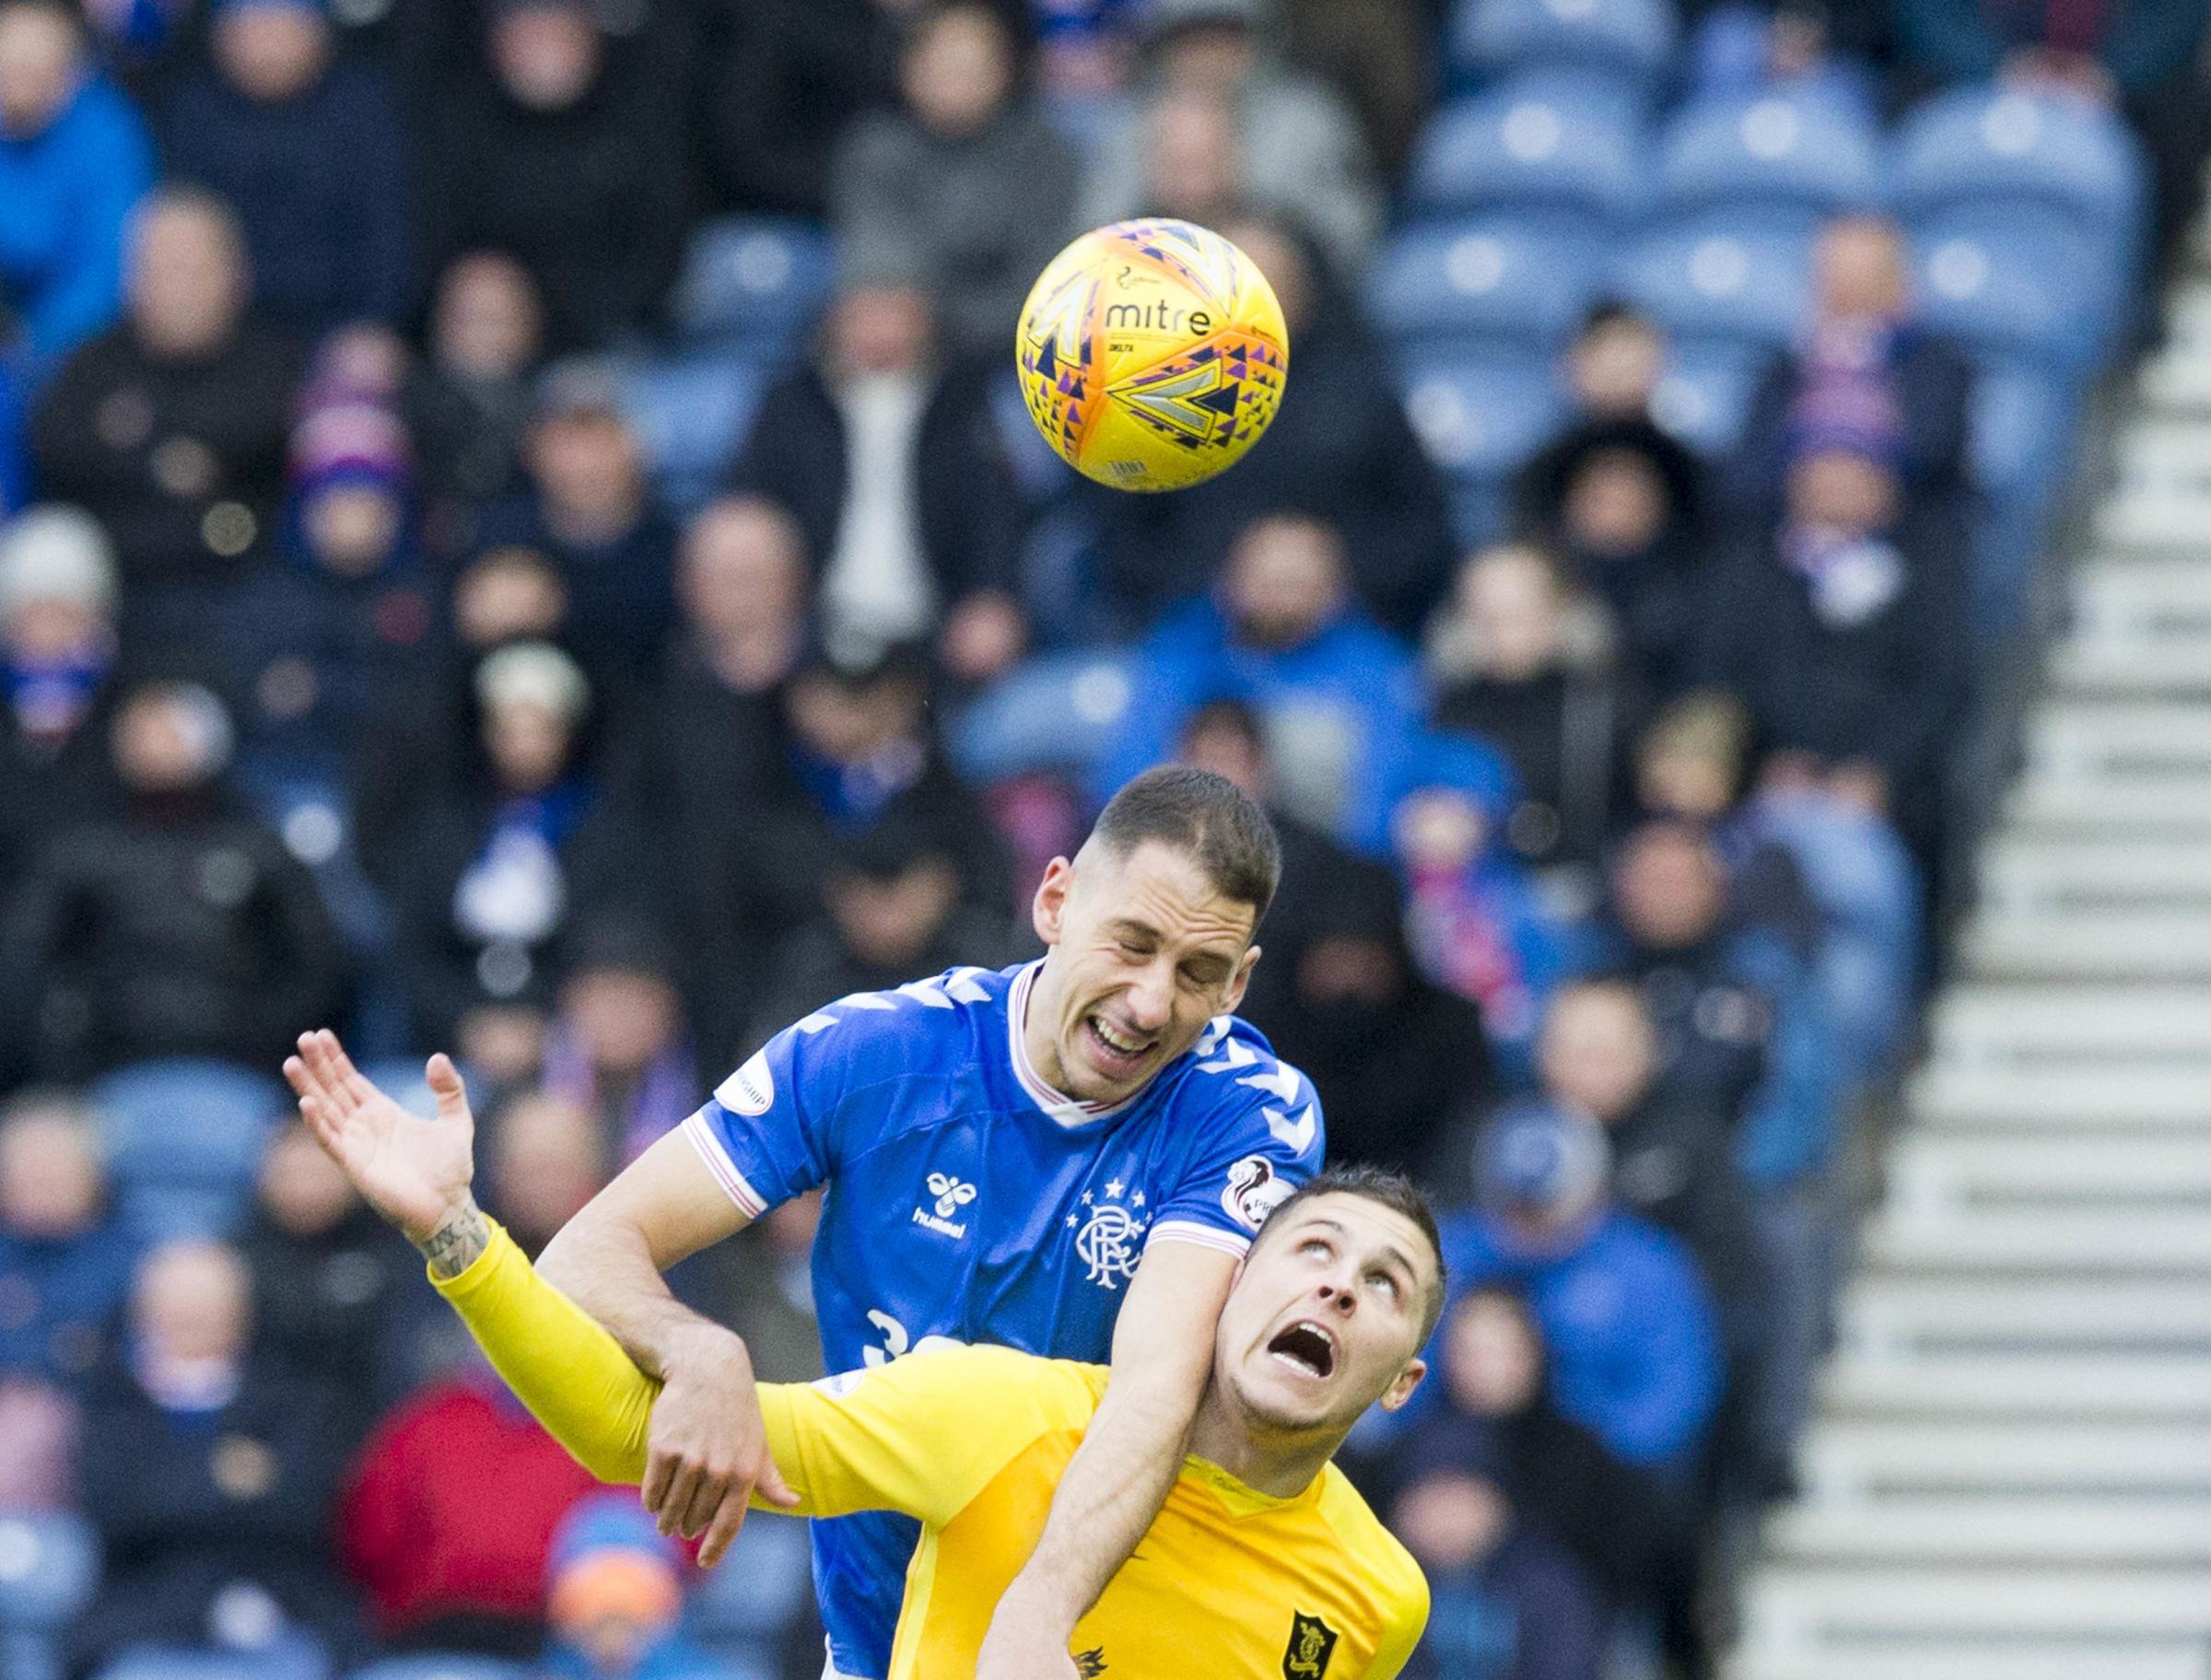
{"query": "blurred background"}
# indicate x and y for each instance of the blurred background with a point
(522, 538)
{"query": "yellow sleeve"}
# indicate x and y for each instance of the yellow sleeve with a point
(923, 1434)
(560, 1362)
(1404, 1618)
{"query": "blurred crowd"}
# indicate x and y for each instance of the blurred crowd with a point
(364, 662)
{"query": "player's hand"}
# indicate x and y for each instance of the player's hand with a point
(1022, 1644)
(707, 1449)
(414, 1171)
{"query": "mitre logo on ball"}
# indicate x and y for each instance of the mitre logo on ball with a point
(1151, 354)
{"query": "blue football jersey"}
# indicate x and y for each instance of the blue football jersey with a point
(967, 1201)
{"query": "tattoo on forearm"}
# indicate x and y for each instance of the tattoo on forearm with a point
(455, 1245)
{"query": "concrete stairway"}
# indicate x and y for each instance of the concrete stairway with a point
(2009, 1477)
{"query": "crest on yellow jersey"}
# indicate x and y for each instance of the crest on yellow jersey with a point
(1312, 1642)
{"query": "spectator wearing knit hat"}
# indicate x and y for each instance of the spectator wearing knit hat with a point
(614, 1598)
(321, 643)
(173, 424)
(310, 149)
(57, 660)
(181, 926)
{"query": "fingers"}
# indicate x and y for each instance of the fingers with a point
(319, 1122)
(707, 1497)
(660, 1471)
(316, 1051)
(348, 1079)
(676, 1501)
(771, 1486)
(444, 1081)
(727, 1521)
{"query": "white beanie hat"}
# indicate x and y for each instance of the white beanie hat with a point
(533, 673)
(53, 552)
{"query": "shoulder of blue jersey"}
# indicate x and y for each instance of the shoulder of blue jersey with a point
(1235, 1071)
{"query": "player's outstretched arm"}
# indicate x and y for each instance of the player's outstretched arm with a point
(1163, 1352)
(708, 1449)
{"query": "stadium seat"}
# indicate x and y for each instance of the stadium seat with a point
(692, 415)
(1058, 711)
(1481, 417)
(752, 281)
(1729, 288)
(184, 1136)
(750, 1596)
(189, 1662)
(1795, 152)
(2022, 420)
(1491, 280)
(48, 1566)
(1576, 163)
(444, 1666)
(2012, 154)
(1632, 39)
(1703, 397)
(2030, 298)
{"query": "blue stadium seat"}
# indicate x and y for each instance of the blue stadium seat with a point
(692, 416)
(444, 1666)
(1633, 39)
(2023, 418)
(1058, 711)
(49, 1567)
(2015, 297)
(189, 1662)
(1703, 397)
(751, 1594)
(2012, 154)
(1578, 163)
(1491, 280)
(184, 1136)
(1480, 418)
(1748, 289)
(753, 280)
(1793, 151)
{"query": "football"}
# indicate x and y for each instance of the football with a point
(1151, 354)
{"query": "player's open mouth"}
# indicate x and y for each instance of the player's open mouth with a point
(1306, 1347)
(1116, 1047)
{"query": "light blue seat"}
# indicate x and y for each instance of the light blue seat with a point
(288, 1661)
(1576, 162)
(443, 1665)
(1480, 418)
(1057, 711)
(184, 1136)
(692, 415)
(753, 1593)
(2011, 154)
(1791, 151)
(753, 280)
(1490, 279)
(1750, 288)
(1704, 396)
(49, 1567)
(2019, 299)
(2023, 421)
(1633, 39)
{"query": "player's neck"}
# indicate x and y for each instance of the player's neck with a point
(1280, 1467)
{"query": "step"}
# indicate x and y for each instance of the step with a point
(2112, 594)
(2055, 1023)
(2035, 870)
(2054, 797)
(1938, 1171)
(1964, 1095)
(1790, 1606)
(2105, 1241)
(1858, 1458)
(2074, 737)
(2166, 520)
(1887, 1660)
(2000, 1530)
(2115, 945)
(2132, 667)
(1892, 1318)
(2179, 382)
(2001, 1386)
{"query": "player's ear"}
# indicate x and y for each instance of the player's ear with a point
(1048, 910)
(1239, 980)
(1400, 1391)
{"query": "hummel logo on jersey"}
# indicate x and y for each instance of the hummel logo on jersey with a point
(952, 1195)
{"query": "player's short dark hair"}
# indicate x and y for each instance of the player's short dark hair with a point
(1392, 1191)
(1207, 816)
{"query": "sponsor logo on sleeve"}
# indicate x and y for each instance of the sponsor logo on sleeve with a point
(751, 1090)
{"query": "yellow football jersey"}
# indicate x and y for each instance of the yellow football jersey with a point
(1228, 1582)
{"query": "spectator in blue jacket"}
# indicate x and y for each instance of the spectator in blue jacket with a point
(65, 1261)
(310, 149)
(75, 158)
(1630, 1323)
(1475, 921)
(1283, 632)
(614, 1598)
